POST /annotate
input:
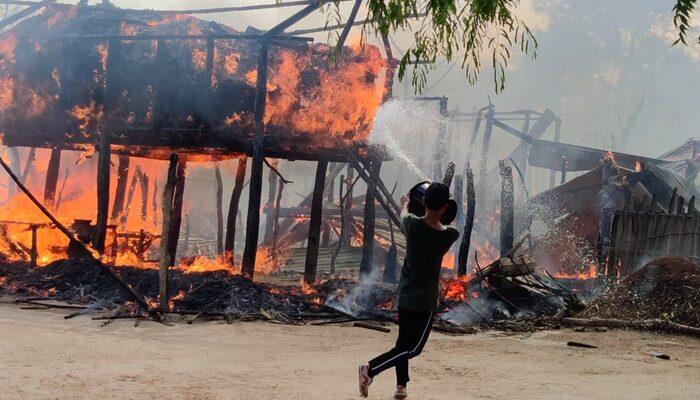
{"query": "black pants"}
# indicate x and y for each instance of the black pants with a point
(414, 328)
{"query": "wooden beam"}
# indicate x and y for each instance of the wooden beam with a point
(52, 177)
(255, 192)
(441, 141)
(367, 262)
(230, 239)
(214, 10)
(326, 237)
(296, 17)
(219, 211)
(348, 25)
(269, 222)
(176, 215)
(276, 219)
(507, 212)
(485, 149)
(24, 13)
(120, 191)
(315, 224)
(557, 138)
(166, 260)
(463, 256)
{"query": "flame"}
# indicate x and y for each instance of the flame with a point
(455, 289)
(637, 166)
(6, 93)
(609, 155)
(199, 58)
(591, 273)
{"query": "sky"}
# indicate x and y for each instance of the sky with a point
(596, 58)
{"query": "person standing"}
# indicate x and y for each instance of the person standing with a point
(427, 241)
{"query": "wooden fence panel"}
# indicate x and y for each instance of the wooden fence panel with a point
(641, 236)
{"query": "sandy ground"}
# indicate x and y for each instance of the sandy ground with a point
(47, 357)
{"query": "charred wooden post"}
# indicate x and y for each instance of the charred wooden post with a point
(130, 196)
(144, 196)
(102, 192)
(232, 217)
(326, 237)
(691, 206)
(367, 261)
(122, 180)
(463, 256)
(390, 263)
(186, 244)
(255, 193)
(276, 219)
(485, 148)
(28, 165)
(609, 203)
(14, 161)
(155, 202)
(269, 222)
(557, 138)
(346, 228)
(672, 202)
(166, 257)
(441, 142)
(33, 253)
(219, 210)
(459, 194)
(343, 222)
(105, 142)
(564, 163)
(507, 212)
(681, 204)
(176, 215)
(52, 177)
(315, 223)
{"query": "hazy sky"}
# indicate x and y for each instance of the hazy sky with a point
(594, 57)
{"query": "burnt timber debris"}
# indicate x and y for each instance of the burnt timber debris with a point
(624, 207)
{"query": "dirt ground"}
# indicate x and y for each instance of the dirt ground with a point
(47, 357)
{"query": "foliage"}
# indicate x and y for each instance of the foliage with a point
(469, 31)
(466, 30)
(682, 14)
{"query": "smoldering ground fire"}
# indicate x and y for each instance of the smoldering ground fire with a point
(120, 97)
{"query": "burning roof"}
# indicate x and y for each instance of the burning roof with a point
(62, 80)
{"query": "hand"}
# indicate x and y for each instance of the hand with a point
(404, 200)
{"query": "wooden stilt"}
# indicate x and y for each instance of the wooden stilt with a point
(269, 222)
(458, 193)
(14, 161)
(468, 224)
(33, 254)
(563, 170)
(144, 197)
(29, 164)
(441, 142)
(233, 210)
(52, 177)
(343, 223)
(166, 259)
(276, 219)
(367, 261)
(507, 212)
(557, 138)
(176, 216)
(326, 236)
(219, 210)
(130, 196)
(103, 170)
(120, 192)
(255, 194)
(122, 180)
(315, 224)
(154, 202)
(485, 148)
